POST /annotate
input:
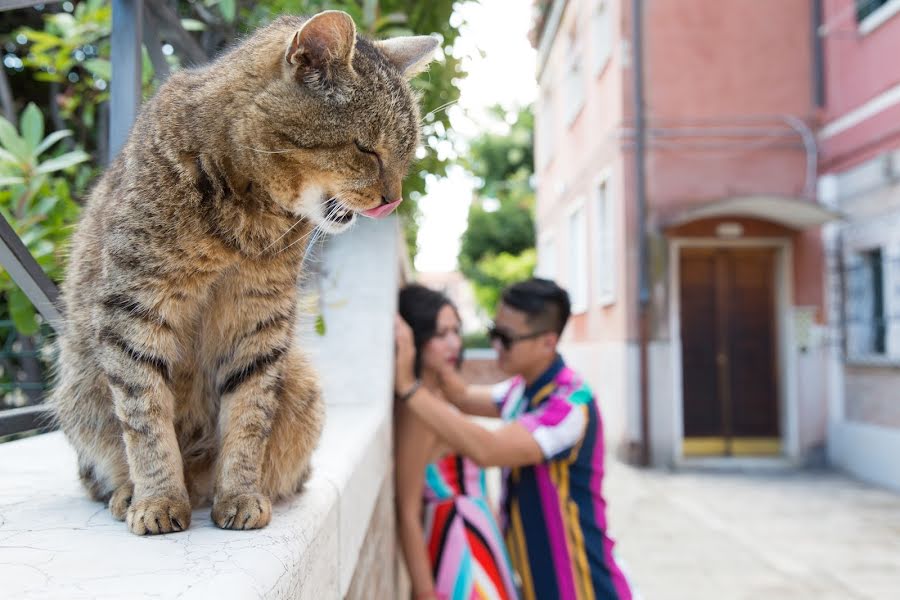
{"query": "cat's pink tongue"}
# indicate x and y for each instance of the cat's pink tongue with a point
(382, 211)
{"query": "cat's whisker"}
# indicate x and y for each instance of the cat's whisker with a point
(259, 150)
(281, 236)
(444, 106)
(312, 243)
(303, 237)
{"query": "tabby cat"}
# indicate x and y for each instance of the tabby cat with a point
(180, 381)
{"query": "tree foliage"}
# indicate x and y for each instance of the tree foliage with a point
(497, 248)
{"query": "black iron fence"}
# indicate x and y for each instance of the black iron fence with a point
(24, 361)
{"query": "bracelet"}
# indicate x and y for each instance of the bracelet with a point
(409, 394)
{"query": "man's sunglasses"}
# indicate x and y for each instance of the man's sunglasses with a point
(507, 339)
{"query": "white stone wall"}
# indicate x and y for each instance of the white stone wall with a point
(610, 368)
(58, 544)
(863, 430)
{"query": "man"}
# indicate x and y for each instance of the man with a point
(552, 444)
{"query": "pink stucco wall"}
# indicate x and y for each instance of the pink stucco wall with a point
(584, 149)
(858, 68)
(719, 85)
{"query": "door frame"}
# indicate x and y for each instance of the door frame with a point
(786, 364)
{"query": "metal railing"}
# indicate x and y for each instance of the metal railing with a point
(130, 20)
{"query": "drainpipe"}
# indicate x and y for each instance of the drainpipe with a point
(640, 192)
(818, 55)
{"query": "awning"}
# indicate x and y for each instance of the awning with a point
(789, 212)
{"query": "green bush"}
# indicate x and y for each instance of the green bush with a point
(36, 200)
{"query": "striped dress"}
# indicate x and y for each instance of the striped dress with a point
(555, 512)
(465, 548)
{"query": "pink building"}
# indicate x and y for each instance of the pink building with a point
(732, 361)
(860, 176)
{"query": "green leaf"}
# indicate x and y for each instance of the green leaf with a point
(22, 312)
(388, 20)
(228, 8)
(147, 70)
(46, 204)
(40, 36)
(12, 141)
(8, 181)
(320, 324)
(32, 125)
(8, 157)
(42, 249)
(48, 77)
(193, 25)
(51, 139)
(99, 67)
(65, 161)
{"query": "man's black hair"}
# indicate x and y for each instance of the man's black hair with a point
(546, 304)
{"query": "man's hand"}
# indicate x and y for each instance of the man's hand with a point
(404, 358)
(452, 384)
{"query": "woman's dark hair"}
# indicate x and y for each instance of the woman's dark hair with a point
(419, 307)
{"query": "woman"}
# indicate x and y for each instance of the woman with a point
(451, 542)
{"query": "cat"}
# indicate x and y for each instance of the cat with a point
(179, 379)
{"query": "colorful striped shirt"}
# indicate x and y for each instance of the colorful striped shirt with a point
(555, 513)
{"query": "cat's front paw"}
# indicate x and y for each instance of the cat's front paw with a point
(158, 514)
(121, 500)
(242, 511)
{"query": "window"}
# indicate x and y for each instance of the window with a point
(872, 14)
(546, 128)
(546, 260)
(601, 35)
(604, 244)
(578, 255)
(867, 323)
(574, 84)
(875, 266)
(864, 8)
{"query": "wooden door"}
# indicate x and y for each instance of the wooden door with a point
(730, 390)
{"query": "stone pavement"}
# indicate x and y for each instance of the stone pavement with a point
(792, 535)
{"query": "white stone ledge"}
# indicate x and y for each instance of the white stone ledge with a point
(55, 543)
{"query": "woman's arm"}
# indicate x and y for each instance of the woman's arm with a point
(413, 447)
(510, 446)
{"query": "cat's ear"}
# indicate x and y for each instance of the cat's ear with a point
(323, 41)
(410, 54)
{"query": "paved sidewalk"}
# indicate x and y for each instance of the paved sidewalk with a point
(787, 535)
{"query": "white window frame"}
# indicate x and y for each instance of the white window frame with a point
(578, 274)
(882, 15)
(574, 83)
(547, 259)
(546, 127)
(605, 271)
(601, 35)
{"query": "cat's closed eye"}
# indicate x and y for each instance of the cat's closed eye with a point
(366, 150)
(369, 152)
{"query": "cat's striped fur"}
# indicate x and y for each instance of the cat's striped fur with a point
(179, 378)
